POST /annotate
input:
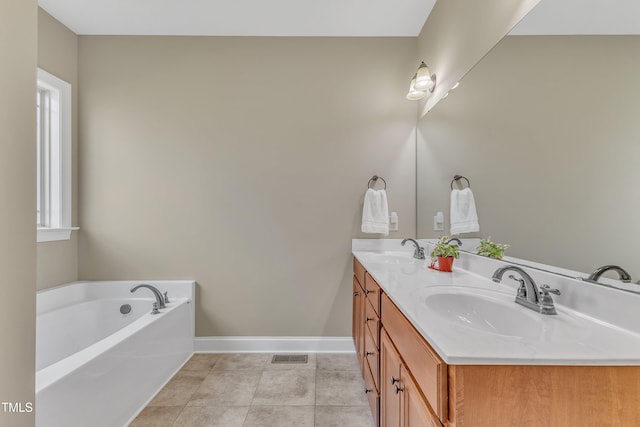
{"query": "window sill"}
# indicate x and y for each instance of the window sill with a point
(54, 234)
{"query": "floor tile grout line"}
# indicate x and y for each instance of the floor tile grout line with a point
(253, 396)
(179, 413)
(315, 392)
(191, 398)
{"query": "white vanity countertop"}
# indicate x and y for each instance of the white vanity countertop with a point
(525, 338)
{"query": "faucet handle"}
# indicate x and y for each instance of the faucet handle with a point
(522, 289)
(546, 290)
(546, 302)
(521, 280)
(155, 308)
(166, 298)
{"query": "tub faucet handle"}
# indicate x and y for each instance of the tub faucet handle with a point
(166, 298)
(155, 308)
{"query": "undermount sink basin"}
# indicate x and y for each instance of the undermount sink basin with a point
(393, 257)
(484, 311)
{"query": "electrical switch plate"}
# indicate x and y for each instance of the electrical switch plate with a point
(438, 221)
(393, 221)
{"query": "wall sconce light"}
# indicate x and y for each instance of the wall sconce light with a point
(414, 94)
(421, 82)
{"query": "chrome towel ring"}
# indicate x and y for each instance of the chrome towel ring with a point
(458, 178)
(375, 179)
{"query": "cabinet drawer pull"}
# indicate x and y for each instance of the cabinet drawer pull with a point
(366, 319)
(367, 292)
(366, 390)
(368, 353)
(399, 389)
(356, 293)
(394, 380)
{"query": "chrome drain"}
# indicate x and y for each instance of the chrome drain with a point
(290, 358)
(125, 309)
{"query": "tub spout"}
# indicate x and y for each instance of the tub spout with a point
(156, 293)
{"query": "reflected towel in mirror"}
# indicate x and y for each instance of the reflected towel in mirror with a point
(464, 218)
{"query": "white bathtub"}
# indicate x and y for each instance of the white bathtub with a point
(98, 367)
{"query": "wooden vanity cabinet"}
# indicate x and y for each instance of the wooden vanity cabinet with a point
(390, 363)
(394, 356)
(366, 332)
(357, 326)
(401, 401)
(427, 368)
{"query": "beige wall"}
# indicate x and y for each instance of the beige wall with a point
(58, 54)
(17, 192)
(242, 163)
(546, 129)
(458, 33)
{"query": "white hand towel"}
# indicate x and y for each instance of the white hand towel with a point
(464, 218)
(375, 212)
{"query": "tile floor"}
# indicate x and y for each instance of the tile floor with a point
(247, 390)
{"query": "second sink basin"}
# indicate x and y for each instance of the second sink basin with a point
(484, 311)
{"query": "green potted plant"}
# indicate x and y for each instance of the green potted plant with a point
(445, 254)
(490, 249)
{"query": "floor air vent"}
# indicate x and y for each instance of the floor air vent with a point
(290, 358)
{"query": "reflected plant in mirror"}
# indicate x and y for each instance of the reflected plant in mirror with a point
(491, 249)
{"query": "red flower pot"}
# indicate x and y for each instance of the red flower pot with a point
(445, 263)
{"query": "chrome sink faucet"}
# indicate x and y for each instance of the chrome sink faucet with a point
(625, 277)
(159, 298)
(529, 295)
(419, 252)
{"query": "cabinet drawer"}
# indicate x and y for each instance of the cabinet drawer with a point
(373, 396)
(372, 355)
(358, 271)
(373, 292)
(428, 370)
(372, 321)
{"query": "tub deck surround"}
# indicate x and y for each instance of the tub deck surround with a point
(97, 366)
(569, 338)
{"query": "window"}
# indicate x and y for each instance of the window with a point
(53, 199)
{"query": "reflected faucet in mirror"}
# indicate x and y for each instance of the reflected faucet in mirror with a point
(624, 276)
(454, 239)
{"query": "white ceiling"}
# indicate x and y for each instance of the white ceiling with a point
(563, 17)
(361, 18)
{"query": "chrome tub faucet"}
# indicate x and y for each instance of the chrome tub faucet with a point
(160, 299)
(528, 294)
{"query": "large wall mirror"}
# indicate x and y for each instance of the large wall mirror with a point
(547, 129)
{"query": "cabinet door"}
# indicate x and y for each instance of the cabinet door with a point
(357, 326)
(415, 411)
(389, 381)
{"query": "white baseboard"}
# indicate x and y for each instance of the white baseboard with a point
(273, 345)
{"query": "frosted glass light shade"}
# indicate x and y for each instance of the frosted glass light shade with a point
(424, 81)
(414, 94)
